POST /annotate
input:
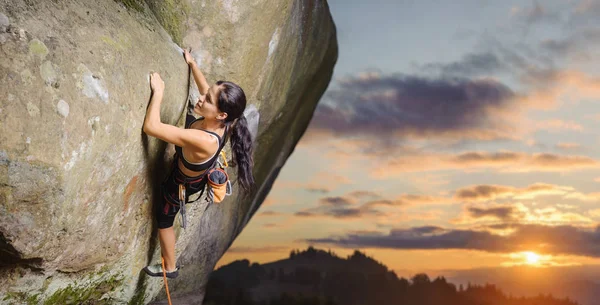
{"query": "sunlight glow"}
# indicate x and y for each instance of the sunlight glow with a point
(532, 258)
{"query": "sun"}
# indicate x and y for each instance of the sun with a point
(531, 257)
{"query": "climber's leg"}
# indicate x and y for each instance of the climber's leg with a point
(165, 215)
(167, 247)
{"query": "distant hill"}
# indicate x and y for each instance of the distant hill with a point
(315, 276)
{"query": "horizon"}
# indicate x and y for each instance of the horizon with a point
(432, 273)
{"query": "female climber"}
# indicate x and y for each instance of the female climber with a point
(221, 110)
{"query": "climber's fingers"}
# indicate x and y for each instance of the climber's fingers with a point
(188, 57)
(156, 82)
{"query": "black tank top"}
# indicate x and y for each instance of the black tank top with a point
(202, 166)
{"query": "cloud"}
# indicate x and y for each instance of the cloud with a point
(336, 201)
(563, 239)
(270, 213)
(553, 216)
(340, 212)
(363, 194)
(551, 87)
(472, 64)
(344, 207)
(519, 213)
(585, 13)
(536, 13)
(463, 99)
(321, 190)
(413, 106)
(553, 162)
(409, 200)
(559, 125)
(271, 225)
(576, 46)
(589, 197)
(568, 146)
(503, 161)
(384, 202)
(504, 213)
(361, 204)
(492, 192)
(594, 213)
(305, 214)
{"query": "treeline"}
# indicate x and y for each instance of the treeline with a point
(316, 277)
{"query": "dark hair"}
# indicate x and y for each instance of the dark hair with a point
(232, 101)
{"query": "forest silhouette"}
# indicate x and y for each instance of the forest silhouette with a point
(318, 277)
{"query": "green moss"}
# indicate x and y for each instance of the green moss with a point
(33, 299)
(171, 14)
(90, 294)
(138, 298)
(14, 296)
(137, 5)
(22, 297)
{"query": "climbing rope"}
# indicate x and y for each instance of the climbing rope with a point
(162, 260)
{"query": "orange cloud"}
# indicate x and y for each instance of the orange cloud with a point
(364, 194)
(595, 213)
(589, 197)
(410, 200)
(366, 204)
(271, 225)
(552, 87)
(504, 161)
(491, 192)
(270, 213)
(568, 146)
(558, 125)
(347, 213)
(518, 213)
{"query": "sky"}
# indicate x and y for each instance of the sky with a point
(454, 135)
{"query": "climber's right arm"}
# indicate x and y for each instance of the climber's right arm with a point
(199, 78)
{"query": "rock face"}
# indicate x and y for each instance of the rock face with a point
(78, 176)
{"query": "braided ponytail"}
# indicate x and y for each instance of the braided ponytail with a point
(241, 146)
(232, 100)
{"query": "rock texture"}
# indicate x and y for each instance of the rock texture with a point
(77, 175)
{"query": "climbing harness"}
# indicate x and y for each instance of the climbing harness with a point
(217, 186)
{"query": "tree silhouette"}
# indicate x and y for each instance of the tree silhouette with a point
(316, 277)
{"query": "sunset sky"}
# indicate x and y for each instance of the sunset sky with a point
(454, 135)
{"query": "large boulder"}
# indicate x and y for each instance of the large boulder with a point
(78, 177)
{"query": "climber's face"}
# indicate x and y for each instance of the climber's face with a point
(207, 105)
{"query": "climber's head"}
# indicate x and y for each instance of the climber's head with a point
(224, 101)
